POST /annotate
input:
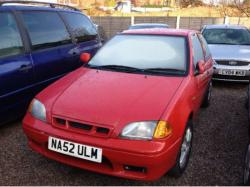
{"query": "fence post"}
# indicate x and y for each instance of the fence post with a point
(226, 20)
(132, 20)
(178, 18)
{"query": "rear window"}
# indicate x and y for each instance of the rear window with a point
(11, 42)
(46, 29)
(81, 27)
(144, 52)
(227, 36)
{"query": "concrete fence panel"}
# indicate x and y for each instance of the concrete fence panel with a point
(184, 23)
(240, 21)
(196, 23)
(171, 21)
(113, 25)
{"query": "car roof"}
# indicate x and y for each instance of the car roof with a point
(161, 31)
(224, 26)
(21, 7)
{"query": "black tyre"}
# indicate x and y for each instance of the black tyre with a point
(207, 98)
(247, 168)
(184, 153)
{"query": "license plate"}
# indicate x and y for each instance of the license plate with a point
(232, 72)
(74, 149)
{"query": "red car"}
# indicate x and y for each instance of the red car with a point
(128, 111)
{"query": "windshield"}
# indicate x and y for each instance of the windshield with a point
(144, 52)
(227, 36)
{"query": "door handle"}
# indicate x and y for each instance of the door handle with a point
(25, 68)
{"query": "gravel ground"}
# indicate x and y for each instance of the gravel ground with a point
(220, 141)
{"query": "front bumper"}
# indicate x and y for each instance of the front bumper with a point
(218, 76)
(152, 162)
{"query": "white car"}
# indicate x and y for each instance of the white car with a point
(230, 48)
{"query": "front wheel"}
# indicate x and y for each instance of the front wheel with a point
(184, 153)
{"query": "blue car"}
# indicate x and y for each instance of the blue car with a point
(38, 45)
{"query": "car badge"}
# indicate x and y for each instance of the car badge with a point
(232, 63)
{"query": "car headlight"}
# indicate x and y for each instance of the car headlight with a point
(146, 130)
(37, 109)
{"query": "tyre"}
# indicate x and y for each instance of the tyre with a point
(207, 98)
(247, 167)
(184, 153)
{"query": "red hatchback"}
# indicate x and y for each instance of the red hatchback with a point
(127, 112)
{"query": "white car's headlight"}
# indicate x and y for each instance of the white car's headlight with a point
(37, 109)
(146, 130)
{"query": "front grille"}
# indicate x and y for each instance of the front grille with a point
(80, 127)
(232, 63)
(102, 130)
(237, 78)
(60, 121)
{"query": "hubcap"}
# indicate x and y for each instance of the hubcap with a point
(247, 166)
(185, 147)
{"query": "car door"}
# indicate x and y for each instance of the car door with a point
(84, 33)
(51, 45)
(200, 79)
(16, 68)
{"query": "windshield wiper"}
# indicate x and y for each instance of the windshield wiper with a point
(129, 69)
(164, 71)
(117, 67)
(227, 44)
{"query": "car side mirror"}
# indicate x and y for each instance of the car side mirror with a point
(201, 66)
(85, 57)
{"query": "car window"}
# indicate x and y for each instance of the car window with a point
(81, 27)
(46, 29)
(227, 36)
(197, 49)
(144, 52)
(11, 42)
(205, 47)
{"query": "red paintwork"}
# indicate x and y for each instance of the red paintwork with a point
(160, 31)
(114, 99)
